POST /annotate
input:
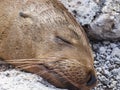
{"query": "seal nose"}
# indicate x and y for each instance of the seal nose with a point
(92, 80)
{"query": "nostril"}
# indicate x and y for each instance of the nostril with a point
(92, 80)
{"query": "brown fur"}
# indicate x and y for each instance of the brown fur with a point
(42, 37)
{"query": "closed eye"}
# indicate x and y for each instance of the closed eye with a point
(61, 40)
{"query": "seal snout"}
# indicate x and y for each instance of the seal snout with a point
(92, 80)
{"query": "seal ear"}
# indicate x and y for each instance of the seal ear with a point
(24, 15)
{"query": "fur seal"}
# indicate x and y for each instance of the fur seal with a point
(42, 37)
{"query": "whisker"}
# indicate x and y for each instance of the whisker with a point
(25, 67)
(31, 61)
(41, 60)
(42, 72)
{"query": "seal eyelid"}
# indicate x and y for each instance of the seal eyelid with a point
(60, 39)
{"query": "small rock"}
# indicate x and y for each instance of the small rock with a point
(101, 18)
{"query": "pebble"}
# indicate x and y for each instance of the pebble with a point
(107, 64)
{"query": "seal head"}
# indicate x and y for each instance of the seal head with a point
(42, 37)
